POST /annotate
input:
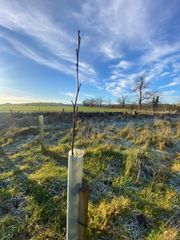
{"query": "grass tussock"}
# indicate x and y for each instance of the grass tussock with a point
(49, 171)
(132, 173)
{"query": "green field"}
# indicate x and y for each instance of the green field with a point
(49, 108)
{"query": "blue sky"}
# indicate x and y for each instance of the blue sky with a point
(121, 40)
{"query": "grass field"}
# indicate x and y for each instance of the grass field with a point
(68, 108)
(49, 108)
(132, 170)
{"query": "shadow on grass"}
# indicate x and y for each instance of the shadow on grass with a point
(126, 223)
(59, 158)
(51, 213)
(96, 163)
(148, 214)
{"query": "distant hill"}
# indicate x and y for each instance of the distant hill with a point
(36, 104)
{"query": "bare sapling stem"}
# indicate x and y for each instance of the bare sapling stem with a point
(78, 86)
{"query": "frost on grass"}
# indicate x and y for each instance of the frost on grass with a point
(132, 170)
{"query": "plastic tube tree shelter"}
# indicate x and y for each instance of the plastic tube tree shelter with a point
(75, 172)
(75, 167)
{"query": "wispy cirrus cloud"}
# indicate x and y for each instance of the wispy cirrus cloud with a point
(30, 53)
(11, 95)
(119, 23)
(174, 83)
(121, 40)
(122, 65)
(49, 37)
(170, 95)
(115, 24)
(159, 67)
(27, 99)
(125, 28)
(87, 72)
(158, 52)
(25, 18)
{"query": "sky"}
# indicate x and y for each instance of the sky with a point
(121, 40)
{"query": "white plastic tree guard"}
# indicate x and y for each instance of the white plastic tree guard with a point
(41, 129)
(75, 172)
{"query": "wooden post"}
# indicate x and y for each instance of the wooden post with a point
(11, 113)
(11, 118)
(83, 213)
(41, 131)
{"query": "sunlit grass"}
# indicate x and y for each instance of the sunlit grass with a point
(132, 173)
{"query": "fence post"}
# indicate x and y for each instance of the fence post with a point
(41, 130)
(12, 118)
(75, 172)
(83, 213)
(63, 112)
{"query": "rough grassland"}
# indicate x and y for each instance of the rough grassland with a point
(49, 108)
(132, 170)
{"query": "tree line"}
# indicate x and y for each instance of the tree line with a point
(140, 88)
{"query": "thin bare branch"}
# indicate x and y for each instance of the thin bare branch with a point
(78, 86)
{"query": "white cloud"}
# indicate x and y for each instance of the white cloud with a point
(170, 96)
(119, 18)
(164, 74)
(87, 95)
(70, 94)
(24, 99)
(86, 72)
(120, 86)
(116, 24)
(170, 92)
(176, 66)
(123, 64)
(111, 31)
(113, 76)
(35, 56)
(108, 51)
(11, 95)
(26, 17)
(176, 82)
(40, 25)
(157, 52)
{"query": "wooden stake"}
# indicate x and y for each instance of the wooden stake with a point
(41, 131)
(83, 213)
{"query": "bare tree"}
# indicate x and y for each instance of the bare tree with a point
(148, 96)
(93, 102)
(99, 101)
(140, 87)
(155, 102)
(152, 99)
(78, 86)
(122, 100)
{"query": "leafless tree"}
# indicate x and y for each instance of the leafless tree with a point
(93, 102)
(78, 86)
(99, 101)
(122, 100)
(155, 102)
(140, 87)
